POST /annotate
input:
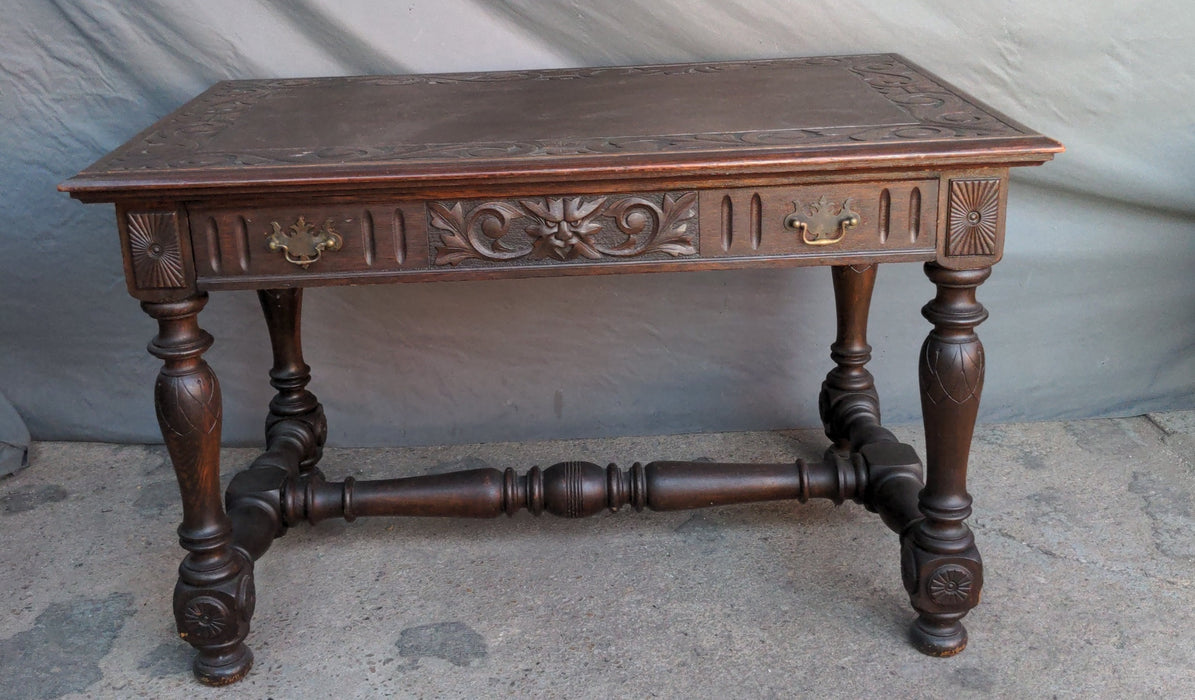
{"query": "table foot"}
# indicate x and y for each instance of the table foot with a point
(223, 669)
(938, 635)
(215, 620)
(942, 589)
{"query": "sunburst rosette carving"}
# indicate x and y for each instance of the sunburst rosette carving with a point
(206, 618)
(974, 214)
(155, 250)
(950, 585)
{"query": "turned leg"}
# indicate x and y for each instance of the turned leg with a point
(848, 397)
(940, 564)
(214, 598)
(295, 413)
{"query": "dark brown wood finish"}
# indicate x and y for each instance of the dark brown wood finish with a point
(848, 402)
(574, 490)
(277, 185)
(940, 564)
(214, 598)
(294, 411)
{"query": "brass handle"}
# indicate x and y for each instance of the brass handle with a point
(822, 222)
(301, 243)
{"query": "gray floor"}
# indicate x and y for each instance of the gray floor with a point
(1086, 529)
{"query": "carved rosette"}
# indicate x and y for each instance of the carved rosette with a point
(155, 250)
(950, 584)
(561, 229)
(939, 583)
(205, 618)
(213, 615)
(974, 210)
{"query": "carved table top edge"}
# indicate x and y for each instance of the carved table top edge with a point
(874, 113)
(792, 168)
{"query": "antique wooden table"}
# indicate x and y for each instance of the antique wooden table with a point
(277, 185)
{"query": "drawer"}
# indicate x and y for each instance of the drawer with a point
(303, 241)
(814, 221)
(563, 234)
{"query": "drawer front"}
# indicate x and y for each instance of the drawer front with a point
(563, 234)
(816, 221)
(306, 240)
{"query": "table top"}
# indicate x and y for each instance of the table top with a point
(690, 120)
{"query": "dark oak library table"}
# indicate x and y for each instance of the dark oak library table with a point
(277, 185)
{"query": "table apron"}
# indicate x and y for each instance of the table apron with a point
(315, 244)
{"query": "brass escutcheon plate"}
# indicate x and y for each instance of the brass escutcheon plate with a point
(301, 242)
(822, 222)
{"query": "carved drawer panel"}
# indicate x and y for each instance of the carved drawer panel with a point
(550, 234)
(438, 236)
(557, 230)
(820, 220)
(303, 241)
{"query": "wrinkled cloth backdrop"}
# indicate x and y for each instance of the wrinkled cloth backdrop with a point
(1093, 307)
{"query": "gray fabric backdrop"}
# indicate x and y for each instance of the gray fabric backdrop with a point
(1093, 308)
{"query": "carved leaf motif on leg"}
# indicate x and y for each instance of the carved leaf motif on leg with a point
(192, 402)
(951, 371)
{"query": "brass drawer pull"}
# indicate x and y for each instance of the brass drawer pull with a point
(822, 222)
(301, 243)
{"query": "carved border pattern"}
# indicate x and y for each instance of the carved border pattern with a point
(155, 250)
(972, 219)
(180, 139)
(560, 229)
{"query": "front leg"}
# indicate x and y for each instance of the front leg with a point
(214, 597)
(941, 567)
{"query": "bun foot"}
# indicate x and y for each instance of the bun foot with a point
(934, 636)
(223, 668)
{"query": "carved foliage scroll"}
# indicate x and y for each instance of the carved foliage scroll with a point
(547, 230)
(155, 250)
(973, 217)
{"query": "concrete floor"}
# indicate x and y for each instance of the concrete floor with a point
(1086, 529)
